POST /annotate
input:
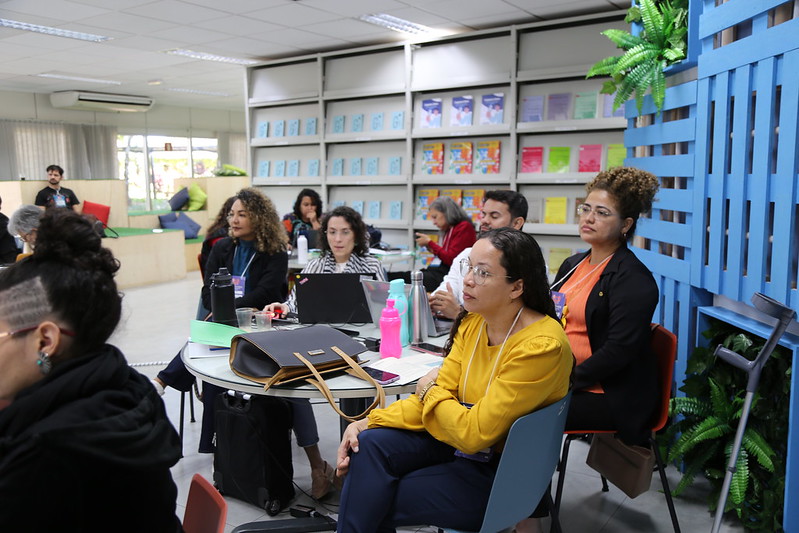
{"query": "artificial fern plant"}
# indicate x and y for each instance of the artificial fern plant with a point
(701, 440)
(662, 42)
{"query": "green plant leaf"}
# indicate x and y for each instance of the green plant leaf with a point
(639, 54)
(653, 21)
(755, 444)
(683, 405)
(659, 88)
(603, 67)
(707, 429)
(633, 15)
(609, 87)
(740, 479)
(623, 39)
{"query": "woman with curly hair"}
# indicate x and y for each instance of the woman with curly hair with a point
(306, 216)
(255, 253)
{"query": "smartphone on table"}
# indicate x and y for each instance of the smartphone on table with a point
(381, 376)
(426, 347)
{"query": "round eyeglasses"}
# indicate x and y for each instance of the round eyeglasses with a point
(583, 210)
(479, 273)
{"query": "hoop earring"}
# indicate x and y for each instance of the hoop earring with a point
(44, 363)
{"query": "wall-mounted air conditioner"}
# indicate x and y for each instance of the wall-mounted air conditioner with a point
(93, 101)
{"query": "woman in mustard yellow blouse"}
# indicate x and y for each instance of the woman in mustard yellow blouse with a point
(433, 457)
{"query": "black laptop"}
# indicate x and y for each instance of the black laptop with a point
(331, 298)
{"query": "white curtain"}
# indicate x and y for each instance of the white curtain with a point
(83, 151)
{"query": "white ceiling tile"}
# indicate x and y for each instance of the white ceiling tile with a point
(355, 8)
(246, 47)
(185, 37)
(293, 15)
(174, 10)
(351, 29)
(301, 39)
(62, 10)
(238, 25)
(127, 22)
(237, 6)
(470, 9)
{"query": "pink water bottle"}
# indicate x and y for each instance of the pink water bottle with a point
(390, 327)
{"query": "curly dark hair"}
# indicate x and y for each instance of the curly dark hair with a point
(316, 200)
(221, 218)
(270, 235)
(522, 259)
(77, 277)
(353, 218)
(633, 190)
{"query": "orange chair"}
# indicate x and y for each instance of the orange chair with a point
(664, 345)
(206, 509)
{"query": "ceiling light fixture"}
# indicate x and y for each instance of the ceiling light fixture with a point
(78, 78)
(397, 24)
(49, 30)
(210, 57)
(196, 91)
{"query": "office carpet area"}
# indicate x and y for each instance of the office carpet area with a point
(154, 327)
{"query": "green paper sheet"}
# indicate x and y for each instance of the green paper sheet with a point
(212, 333)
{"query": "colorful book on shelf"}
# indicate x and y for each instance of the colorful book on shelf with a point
(535, 210)
(590, 158)
(460, 157)
(492, 108)
(355, 166)
(488, 157)
(313, 167)
(357, 205)
(372, 165)
(532, 159)
(556, 257)
(310, 126)
(262, 131)
(280, 168)
(430, 117)
(607, 106)
(472, 202)
(559, 159)
(433, 158)
(556, 210)
(398, 120)
(278, 128)
(462, 110)
(424, 197)
(455, 194)
(558, 106)
(616, 155)
(377, 121)
(395, 165)
(395, 210)
(585, 105)
(293, 127)
(293, 168)
(532, 109)
(373, 209)
(356, 123)
(263, 169)
(338, 167)
(338, 124)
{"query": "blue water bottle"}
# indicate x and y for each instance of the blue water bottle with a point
(396, 292)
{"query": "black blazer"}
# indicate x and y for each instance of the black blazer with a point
(618, 313)
(266, 278)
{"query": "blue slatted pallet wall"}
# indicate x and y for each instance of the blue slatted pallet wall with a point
(726, 150)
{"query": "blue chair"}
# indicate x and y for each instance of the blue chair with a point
(526, 468)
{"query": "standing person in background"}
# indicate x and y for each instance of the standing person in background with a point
(8, 245)
(85, 443)
(54, 195)
(457, 233)
(501, 209)
(307, 215)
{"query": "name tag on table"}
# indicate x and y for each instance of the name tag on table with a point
(239, 282)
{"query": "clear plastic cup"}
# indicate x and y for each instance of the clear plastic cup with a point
(263, 321)
(244, 317)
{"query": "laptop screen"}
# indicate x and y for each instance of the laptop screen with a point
(331, 298)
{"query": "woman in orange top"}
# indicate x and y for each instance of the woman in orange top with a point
(610, 299)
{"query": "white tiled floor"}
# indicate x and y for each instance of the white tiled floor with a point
(155, 325)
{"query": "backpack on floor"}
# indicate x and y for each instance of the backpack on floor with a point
(252, 461)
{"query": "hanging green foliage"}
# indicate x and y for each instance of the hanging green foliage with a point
(702, 437)
(662, 42)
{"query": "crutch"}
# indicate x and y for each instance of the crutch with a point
(784, 315)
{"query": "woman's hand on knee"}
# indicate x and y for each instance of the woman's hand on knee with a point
(349, 442)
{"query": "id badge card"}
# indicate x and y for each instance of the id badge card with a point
(60, 200)
(560, 302)
(483, 456)
(239, 283)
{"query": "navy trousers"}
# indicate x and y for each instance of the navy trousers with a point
(405, 478)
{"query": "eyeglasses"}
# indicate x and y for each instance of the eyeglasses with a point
(31, 328)
(343, 233)
(583, 210)
(479, 273)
